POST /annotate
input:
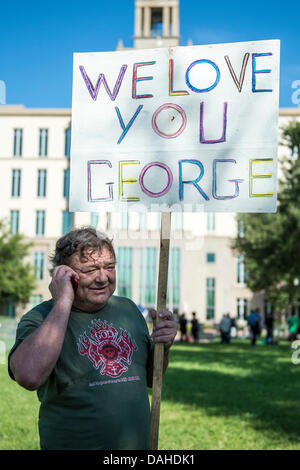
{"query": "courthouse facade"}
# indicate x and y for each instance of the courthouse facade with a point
(205, 274)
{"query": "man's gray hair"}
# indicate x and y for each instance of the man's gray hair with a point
(80, 240)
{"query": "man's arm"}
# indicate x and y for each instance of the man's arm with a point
(164, 332)
(34, 359)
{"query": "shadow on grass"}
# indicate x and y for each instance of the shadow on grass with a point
(258, 384)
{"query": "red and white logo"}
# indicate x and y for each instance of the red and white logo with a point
(107, 348)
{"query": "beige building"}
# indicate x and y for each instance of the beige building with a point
(205, 275)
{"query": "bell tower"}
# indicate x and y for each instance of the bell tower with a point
(156, 23)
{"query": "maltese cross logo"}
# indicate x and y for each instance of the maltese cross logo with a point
(107, 349)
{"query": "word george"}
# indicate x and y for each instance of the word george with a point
(296, 94)
(198, 168)
(94, 90)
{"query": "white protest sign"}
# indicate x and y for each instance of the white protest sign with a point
(173, 129)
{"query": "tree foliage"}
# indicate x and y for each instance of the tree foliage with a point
(271, 242)
(17, 279)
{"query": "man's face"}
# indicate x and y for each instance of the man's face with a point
(97, 278)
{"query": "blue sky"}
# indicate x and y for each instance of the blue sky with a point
(38, 38)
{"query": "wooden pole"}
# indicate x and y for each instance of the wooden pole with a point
(159, 347)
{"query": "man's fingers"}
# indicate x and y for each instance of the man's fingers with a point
(166, 315)
(61, 271)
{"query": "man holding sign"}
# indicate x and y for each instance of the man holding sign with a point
(88, 353)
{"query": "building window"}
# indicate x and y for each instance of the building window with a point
(124, 271)
(294, 152)
(241, 275)
(35, 300)
(210, 257)
(66, 183)
(158, 221)
(40, 223)
(67, 142)
(42, 183)
(94, 219)
(142, 221)
(210, 298)
(124, 221)
(43, 147)
(211, 222)
(14, 221)
(18, 141)
(240, 228)
(67, 222)
(242, 309)
(16, 183)
(39, 258)
(177, 221)
(10, 308)
(148, 277)
(156, 22)
(173, 293)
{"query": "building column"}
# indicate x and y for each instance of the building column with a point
(138, 21)
(175, 21)
(147, 22)
(166, 22)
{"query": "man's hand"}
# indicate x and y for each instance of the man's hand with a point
(34, 359)
(165, 330)
(61, 286)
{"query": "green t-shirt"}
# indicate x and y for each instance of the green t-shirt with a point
(293, 324)
(96, 396)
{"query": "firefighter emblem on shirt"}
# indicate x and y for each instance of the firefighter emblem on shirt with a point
(108, 349)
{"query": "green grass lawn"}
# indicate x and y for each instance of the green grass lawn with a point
(214, 397)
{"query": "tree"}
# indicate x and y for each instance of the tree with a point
(271, 242)
(17, 279)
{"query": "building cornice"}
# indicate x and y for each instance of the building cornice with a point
(289, 111)
(21, 110)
